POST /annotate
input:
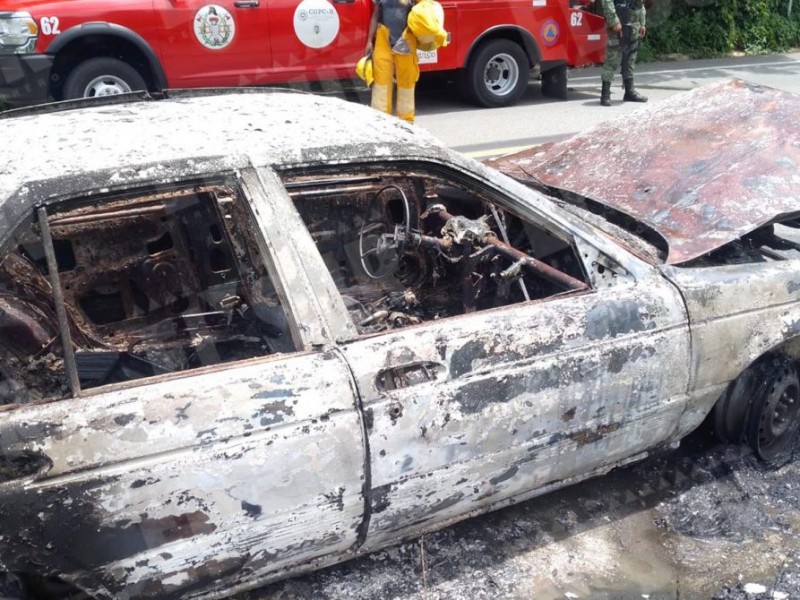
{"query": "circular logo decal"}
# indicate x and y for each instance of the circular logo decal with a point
(550, 31)
(214, 27)
(316, 23)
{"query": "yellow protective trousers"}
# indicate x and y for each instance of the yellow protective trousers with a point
(386, 67)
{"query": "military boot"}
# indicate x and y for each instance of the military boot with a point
(631, 95)
(605, 94)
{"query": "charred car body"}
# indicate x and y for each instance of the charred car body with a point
(235, 349)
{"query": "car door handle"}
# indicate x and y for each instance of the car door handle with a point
(402, 376)
(247, 3)
(25, 465)
(343, 1)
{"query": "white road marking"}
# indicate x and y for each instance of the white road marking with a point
(785, 63)
(477, 154)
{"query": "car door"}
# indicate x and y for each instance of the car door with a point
(317, 39)
(522, 397)
(214, 44)
(464, 412)
(161, 477)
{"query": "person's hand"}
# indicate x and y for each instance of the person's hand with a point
(642, 31)
(368, 48)
(617, 28)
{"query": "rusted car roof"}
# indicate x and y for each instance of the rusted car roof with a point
(702, 168)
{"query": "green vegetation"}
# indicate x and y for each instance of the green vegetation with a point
(709, 28)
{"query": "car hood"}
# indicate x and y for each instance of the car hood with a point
(702, 168)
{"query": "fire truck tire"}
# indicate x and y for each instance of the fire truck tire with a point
(497, 74)
(102, 76)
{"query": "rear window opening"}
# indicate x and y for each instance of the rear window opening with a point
(151, 284)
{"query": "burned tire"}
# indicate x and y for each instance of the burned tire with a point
(774, 417)
(730, 412)
(497, 74)
(102, 77)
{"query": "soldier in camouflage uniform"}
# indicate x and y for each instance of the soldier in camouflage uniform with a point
(625, 20)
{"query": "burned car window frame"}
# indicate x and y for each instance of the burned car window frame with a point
(245, 240)
(424, 187)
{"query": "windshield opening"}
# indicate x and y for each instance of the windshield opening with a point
(636, 235)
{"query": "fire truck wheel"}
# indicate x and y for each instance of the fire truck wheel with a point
(102, 77)
(497, 74)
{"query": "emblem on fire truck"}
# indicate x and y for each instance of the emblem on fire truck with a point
(550, 32)
(214, 27)
(316, 23)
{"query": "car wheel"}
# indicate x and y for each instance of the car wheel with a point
(497, 75)
(730, 412)
(102, 77)
(773, 422)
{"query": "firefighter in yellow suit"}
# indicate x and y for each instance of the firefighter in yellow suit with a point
(389, 19)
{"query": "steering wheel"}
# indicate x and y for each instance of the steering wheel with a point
(380, 242)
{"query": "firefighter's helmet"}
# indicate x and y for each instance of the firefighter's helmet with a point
(364, 69)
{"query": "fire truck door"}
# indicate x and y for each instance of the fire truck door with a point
(205, 44)
(318, 39)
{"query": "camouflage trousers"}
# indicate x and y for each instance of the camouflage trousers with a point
(616, 57)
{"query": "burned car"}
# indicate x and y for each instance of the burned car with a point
(247, 335)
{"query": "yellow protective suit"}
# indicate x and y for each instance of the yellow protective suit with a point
(386, 67)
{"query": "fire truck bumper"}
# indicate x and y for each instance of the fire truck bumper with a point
(25, 79)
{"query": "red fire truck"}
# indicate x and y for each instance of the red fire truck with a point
(65, 49)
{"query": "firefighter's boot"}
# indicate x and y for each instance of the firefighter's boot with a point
(631, 95)
(605, 94)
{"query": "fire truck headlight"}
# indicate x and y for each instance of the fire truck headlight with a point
(18, 33)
